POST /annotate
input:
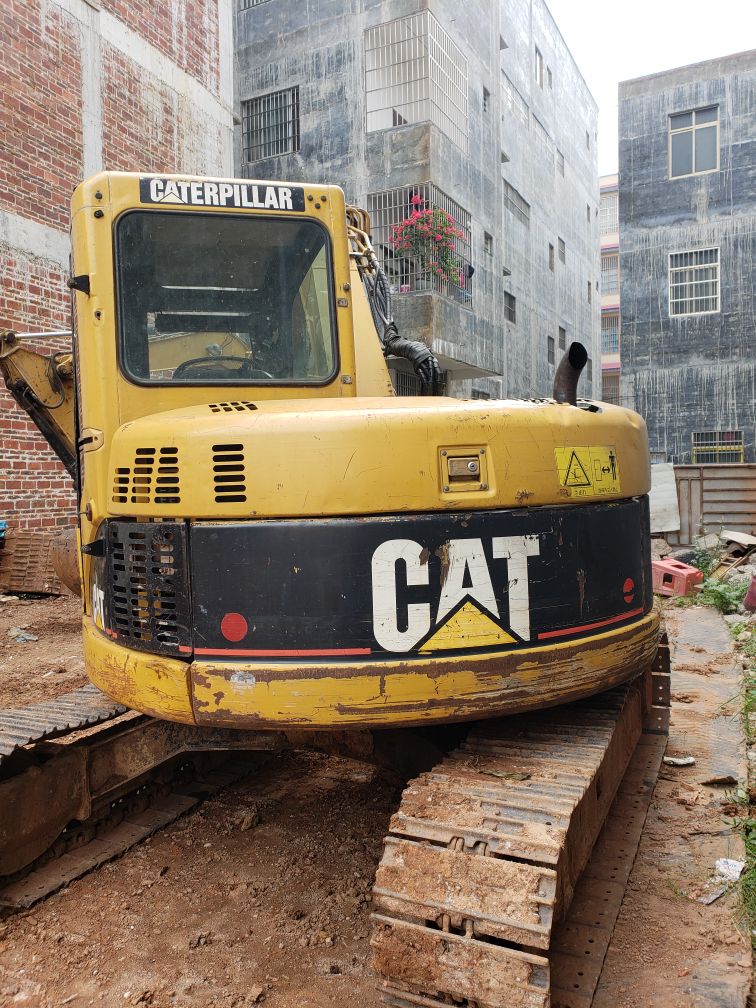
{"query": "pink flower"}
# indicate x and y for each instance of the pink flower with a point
(416, 199)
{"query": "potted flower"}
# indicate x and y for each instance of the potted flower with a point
(429, 235)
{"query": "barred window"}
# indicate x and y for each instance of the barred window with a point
(562, 338)
(717, 447)
(405, 384)
(550, 351)
(610, 274)
(560, 162)
(246, 4)
(608, 215)
(610, 389)
(510, 307)
(562, 250)
(414, 72)
(516, 204)
(694, 282)
(694, 142)
(271, 125)
(610, 334)
(514, 101)
(544, 140)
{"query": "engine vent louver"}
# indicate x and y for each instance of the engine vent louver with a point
(228, 467)
(147, 596)
(229, 407)
(153, 478)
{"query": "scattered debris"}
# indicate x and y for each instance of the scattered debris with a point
(728, 781)
(726, 875)
(506, 776)
(679, 760)
(20, 636)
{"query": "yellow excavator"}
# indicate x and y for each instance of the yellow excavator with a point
(273, 547)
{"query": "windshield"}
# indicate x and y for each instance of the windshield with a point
(205, 298)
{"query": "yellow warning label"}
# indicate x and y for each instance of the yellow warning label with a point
(467, 628)
(589, 471)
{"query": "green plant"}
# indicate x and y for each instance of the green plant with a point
(704, 561)
(429, 234)
(726, 597)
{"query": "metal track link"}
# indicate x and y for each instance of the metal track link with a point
(83, 708)
(486, 849)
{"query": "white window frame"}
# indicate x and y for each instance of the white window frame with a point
(701, 259)
(691, 129)
(517, 206)
(609, 214)
(610, 333)
(612, 258)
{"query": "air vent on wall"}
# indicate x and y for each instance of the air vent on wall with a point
(228, 466)
(229, 407)
(138, 485)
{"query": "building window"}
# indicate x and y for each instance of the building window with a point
(562, 250)
(718, 446)
(539, 67)
(486, 96)
(549, 77)
(270, 125)
(246, 4)
(516, 204)
(694, 282)
(544, 140)
(588, 212)
(610, 274)
(694, 142)
(551, 257)
(487, 243)
(550, 349)
(514, 101)
(560, 162)
(480, 394)
(610, 389)
(608, 215)
(590, 292)
(407, 272)
(589, 370)
(414, 72)
(609, 334)
(510, 307)
(562, 338)
(587, 139)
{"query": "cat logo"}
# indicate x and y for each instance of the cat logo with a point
(467, 614)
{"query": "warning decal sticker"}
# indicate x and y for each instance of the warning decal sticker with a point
(588, 471)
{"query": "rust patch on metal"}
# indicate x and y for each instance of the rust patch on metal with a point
(424, 556)
(443, 555)
(522, 495)
(581, 586)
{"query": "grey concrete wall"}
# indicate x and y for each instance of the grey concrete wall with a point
(695, 372)
(320, 49)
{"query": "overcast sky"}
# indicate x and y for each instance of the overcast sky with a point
(614, 42)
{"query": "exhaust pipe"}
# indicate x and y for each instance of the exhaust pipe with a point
(568, 373)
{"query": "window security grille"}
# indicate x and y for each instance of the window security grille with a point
(246, 4)
(510, 307)
(694, 282)
(562, 250)
(610, 389)
(608, 215)
(406, 384)
(407, 273)
(514, 101)
(610, 274)
(562, 338)
(550, 351)
(717, 447)
(544, 140)
(270, 125)
(610, 334)
(479, 394)
(694, 142)
(516, 204)
(414, 72)
(560, 162)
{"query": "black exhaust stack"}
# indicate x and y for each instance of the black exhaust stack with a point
(568, 373)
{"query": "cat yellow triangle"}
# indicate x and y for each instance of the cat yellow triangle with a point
(467, 628)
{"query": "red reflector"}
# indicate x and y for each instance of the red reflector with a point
(233, 626)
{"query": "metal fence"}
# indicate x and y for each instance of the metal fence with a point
(712, 498)
(408, 273)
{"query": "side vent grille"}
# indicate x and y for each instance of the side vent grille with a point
(228, 467)
(147, 597)
(153, 477)
(229, 407)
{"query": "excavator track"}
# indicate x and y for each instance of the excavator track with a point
(486, 850)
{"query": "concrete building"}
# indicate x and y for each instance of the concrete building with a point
(610, 289)
(477, 109)
(687, 217)
(91, 85)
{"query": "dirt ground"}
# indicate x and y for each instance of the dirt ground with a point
(207, 913)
